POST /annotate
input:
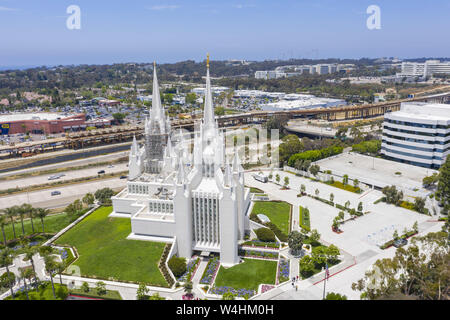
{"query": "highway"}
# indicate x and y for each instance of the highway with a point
(44, 199)
(69, 175)
(67, 164)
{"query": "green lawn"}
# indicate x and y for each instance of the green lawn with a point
(277, 212)
(45, 292)
(52, 224)
(247, 275)
(106, 253)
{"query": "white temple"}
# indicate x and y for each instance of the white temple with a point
(196, 200)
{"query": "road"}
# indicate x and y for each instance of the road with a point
(69, 194)
(69, 175)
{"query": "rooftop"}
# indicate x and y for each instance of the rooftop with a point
(33, 116)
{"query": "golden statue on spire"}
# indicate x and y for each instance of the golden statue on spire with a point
(154, 64)
(207, 60)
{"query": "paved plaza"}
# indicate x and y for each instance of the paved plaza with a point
(380, 171)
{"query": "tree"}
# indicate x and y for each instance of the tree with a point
(100, 287)
(335, 296)
(142, 292)
(317, 192)
(29, 254)
(418, 271)
(295, 242)
(314, 236)
(25, 274)
(104, 196)
(277, 178)
(341, 215)
(395, 235)
(3, 223)
(347, 204)
(228, 296)
(392, 195)
(177, 265)
(307, 266)
(22, 211)
(188, 287)
(331, 197)
(419, 204)
(118, 117)
(360, 207)
(443, 187)
(302, 188)
(50, 267)
(355, 183)
(41, 213)
(7, 280)
(286, 182)
(59, 269)
(416, 227)
(314, 170)
(219, 111)
(85, 287)
(6, 259)
(332, 253)
(345, 179)
(156, 296)
(11, 214)
(88, 199)
(430, 181)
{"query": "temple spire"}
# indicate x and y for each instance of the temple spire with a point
(155, 112)
(208, 112)
(134, 146)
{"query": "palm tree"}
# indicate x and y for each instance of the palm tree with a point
(21, 211)
(31, 212)
(50, 267)
(2, 225)
(23, 274)
(6, 259)
(60, 267)
(29, 253)
(11, 213)
(41, 213)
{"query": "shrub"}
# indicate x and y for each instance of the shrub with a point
(265, 234)
(177, 265)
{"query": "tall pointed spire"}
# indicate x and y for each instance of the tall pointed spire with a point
(134, 146)
(208, 112)
(155, 112)
(180, 173)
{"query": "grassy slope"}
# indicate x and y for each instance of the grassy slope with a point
(106, 253)
(278, 213)
(247, 275)
(52, 224)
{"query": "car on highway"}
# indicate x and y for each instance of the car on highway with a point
(123, 177)
(400, 243)
(101, 172)
(56, 193)
(110, 166)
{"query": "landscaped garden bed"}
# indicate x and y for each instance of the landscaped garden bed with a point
(258, 254)
(283, 271)
(278, 212)
(190, 270)
(304, 222)
(210, 271)
(261, 244)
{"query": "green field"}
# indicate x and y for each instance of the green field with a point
(52, 224)
(247, 275)
(105, 252)
(277, 212)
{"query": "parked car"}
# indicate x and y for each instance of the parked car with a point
(56, 193)
(400, 243)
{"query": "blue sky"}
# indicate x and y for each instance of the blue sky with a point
(33, 32)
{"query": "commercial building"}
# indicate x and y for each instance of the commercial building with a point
(197, 201)
(48, 123)
(418, 134)
(426, 69)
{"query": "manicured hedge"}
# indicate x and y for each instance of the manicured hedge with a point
(265, 234)
(314, 155)
(177, 265)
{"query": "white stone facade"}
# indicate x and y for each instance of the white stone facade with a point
(196, 198)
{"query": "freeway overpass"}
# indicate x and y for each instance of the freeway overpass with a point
(125, 133)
